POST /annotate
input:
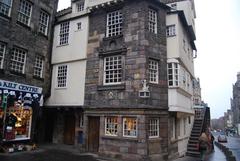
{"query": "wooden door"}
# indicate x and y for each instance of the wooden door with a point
(69, 129)
(93, 134)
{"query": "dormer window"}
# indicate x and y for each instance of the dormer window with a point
(80, 7)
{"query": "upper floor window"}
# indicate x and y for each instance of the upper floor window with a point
(130, 127)
(80, 7)
(153, 128)
(153, 71)
(43, 22)
(171, 31)
(152, 21)
(79, 26)
(113, 70)
(62, 76)
(18, 60)
(24, 12)
(5, 7)
(111, 126)
(173, 74)
(114, 23)
(2, 54)
(64, 33)
(38, 67)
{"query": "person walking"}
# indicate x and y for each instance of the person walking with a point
(203, 145)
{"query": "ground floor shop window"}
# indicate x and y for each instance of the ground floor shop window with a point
(111, 126)
(130, 127)
(18, 104)
(154, 128)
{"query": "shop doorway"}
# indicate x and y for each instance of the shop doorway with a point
(49, 118)
(93, 134)
(69, 129)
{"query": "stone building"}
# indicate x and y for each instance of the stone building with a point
(25, 45)
(126, 90)
(235, 102)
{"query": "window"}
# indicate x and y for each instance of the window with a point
(24, 12)
(130, 127)
(5, 7)
(80, 7)
(38, 67)
(62, 76)
(111, 126)
(64, 33)
(153, 71)
(153, 128)
(114, 23)
(173, 72)
(18, 60)
(113, 70)
(171, 30)
(43, 22)
(174, 6)
(2, 54)
(152, 21)
(79, 25)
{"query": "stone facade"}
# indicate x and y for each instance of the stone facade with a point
(136, 45)
(27, 37)
(235, 102)
(16, 34)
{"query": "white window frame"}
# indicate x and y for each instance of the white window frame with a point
(25, 12)
(2, 54)
(153, 71)
(111, 126)
(135, 126)
(80, 7)
(5, 8)
(152, 20)
(62, 83)
(18, 60)
(153, 128)
(109, 71)
(173, 71)
(38, 66)
(43, 22)
(114, 23)
(171, 30)
(64, 33)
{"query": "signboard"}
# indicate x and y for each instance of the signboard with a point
(20, 87)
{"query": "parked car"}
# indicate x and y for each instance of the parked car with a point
(222, 138)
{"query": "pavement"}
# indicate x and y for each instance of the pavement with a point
(217, 155)
(234, 145)
(69, 153)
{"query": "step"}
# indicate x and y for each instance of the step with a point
(193, 154)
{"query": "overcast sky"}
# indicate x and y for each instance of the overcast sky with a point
(218, 44)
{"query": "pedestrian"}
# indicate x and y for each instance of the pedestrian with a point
(212, 141)
(203, 145)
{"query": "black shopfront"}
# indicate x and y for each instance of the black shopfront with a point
(19, 107)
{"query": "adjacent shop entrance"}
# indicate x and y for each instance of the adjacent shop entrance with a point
(69, 129)
(93, 134)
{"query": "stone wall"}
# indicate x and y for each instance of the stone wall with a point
(27, 37)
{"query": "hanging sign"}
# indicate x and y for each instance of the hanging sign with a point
(20, 87)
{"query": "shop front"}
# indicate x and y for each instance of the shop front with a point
(19, 105)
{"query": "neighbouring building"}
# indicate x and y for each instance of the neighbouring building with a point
(126, 91)
(63, 110)
(235, 102)
(25, 45)
(181, 51)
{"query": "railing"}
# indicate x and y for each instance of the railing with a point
(203, 113)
